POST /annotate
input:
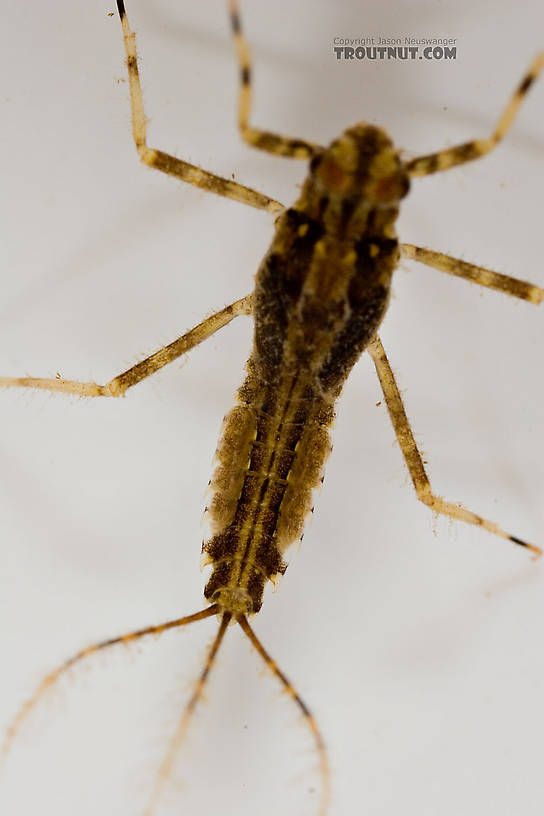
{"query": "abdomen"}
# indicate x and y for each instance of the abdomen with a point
(271, 456)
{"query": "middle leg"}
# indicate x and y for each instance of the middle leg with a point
(143, 369)
(412, 456)
(475, 274)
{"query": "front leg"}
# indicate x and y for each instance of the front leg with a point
(460, 154)
(167, 163)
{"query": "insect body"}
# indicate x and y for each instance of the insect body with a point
(320, 295)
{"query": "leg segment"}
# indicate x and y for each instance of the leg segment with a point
(166, 767)
(306, 713)
(170, 164)
(444, 159)
(143, 369)
(474, 274)
(262, 139)
(412, 456)
(51, 678)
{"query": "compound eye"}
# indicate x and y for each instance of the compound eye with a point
(391, 188)
(333, 176)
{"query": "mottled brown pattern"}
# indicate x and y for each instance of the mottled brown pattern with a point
(320, 294)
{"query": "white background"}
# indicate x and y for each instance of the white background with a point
(417, 643)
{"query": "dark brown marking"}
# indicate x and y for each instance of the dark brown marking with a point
(467, 152)
(526, 84)
(235, 22)
(521, 542)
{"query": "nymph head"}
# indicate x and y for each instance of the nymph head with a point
(361, 164)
